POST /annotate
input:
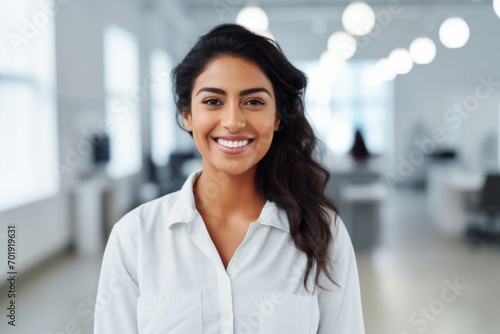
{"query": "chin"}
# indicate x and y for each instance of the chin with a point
(235, 168)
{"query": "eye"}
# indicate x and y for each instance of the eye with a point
(255, 102)
(212, 102)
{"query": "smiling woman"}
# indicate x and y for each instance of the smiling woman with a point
(250, 244)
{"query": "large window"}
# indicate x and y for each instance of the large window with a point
(28, 116)
(123, 95)
(338, 106)
(162, 109)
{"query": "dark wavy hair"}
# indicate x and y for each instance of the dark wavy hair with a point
(289, 174)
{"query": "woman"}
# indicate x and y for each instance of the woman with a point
(249, 244)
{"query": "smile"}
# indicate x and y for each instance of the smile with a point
(232, 144)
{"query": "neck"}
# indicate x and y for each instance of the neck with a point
(224, 197)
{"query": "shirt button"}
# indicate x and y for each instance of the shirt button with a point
(236, 265)
(224, 280)
(227, 316)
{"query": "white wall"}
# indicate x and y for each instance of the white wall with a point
(428, 92)
(45, 227)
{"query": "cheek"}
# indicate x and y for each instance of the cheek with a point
(263, 119)
(267, 132)
(200, 140)
(267, 129)
(201, 124)
(266, 138)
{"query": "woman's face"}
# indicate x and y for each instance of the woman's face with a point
(233, 115)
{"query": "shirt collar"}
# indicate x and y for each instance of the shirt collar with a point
(183, 208)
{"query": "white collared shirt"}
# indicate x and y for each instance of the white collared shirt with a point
(161, 273)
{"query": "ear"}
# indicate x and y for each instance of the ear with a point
(277, 123)
(187, 119)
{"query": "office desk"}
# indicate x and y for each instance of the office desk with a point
(449, 190)
(358, 190)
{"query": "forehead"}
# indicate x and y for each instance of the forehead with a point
(232, 73)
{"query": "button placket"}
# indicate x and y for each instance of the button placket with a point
(225, 294)
(226, 303)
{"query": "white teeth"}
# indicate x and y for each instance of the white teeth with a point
(232, 144)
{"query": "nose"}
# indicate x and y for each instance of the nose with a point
(233, 119)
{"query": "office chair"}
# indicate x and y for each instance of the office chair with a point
(489, 202)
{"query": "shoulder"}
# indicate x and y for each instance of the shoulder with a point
(147, 215)
(341, 254)
(159, 214)
(341, 247)
(337, 227)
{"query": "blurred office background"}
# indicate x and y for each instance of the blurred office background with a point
(88, 132)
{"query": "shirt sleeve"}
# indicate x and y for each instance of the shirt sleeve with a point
(340, 308)
(118, 289)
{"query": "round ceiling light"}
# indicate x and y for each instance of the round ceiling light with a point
(423, 50)
(254, 18)
(358, 18)
(454, 32)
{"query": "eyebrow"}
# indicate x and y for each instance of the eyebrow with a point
(242, 93)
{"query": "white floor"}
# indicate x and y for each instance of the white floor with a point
(402, 283)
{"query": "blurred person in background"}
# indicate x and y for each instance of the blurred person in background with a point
(359, 152)
(250, 244)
